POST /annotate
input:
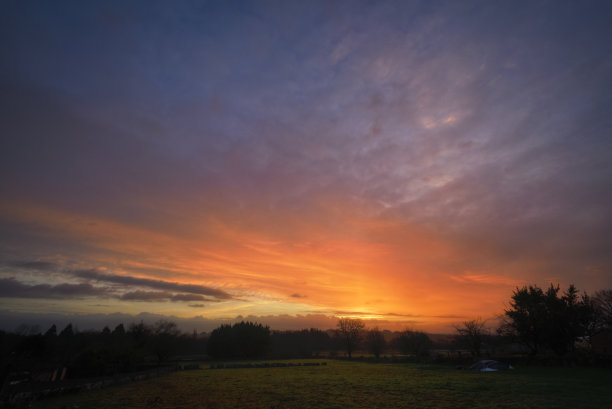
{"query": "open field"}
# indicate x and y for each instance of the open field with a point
(343, 384)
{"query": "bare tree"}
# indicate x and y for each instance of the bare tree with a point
(375, 342)
(164, 339)
(350, 332)
(165, 327)
(472, 334)
(602, 303)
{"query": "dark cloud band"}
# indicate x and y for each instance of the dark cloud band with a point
(9, 287)
(155, 284)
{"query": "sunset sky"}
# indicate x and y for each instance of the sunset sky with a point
(291, 162)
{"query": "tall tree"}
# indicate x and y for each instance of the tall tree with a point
(375, 342)
(526, 317)
(543, 319)
(472, 334)
(350, 331)
(52, 331)
(164, 339)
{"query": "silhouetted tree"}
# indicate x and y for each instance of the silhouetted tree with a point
(92, 353)
(119, 330)
(52, 331)
(415, 343)
(527, 318)
(243, 340)
(67, 332)
(541, 319)
(302, 343)
(571, 319)
(165, 327)
(375, 342)
(350, 332)
(472, 334)
(140, 332)
(602, 306)
(136, 343)
(164, 340)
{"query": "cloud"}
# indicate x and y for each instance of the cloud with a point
(34, 265)
(157, 284)
(490, 279)
(149, 296)
(296, 295)
(188, 297)
(10, 287)
(160, 296)
(449, 316)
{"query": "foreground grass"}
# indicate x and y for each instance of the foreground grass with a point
(343, 384)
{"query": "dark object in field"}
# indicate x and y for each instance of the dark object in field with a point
(489, 365)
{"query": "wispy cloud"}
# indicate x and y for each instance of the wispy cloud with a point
(485, 279)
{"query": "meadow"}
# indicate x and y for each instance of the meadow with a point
(354, 384)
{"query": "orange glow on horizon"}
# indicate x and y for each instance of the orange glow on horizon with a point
(391, 273)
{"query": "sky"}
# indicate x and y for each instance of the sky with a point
(409, 163)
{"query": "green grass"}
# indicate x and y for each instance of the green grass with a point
(343, 384)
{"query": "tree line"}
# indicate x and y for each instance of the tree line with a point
(94, 353)
(539, 321)
(139, 346)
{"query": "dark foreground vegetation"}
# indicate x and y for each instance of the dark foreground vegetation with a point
(540, 327)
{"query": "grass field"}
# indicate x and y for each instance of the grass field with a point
(343, 384)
